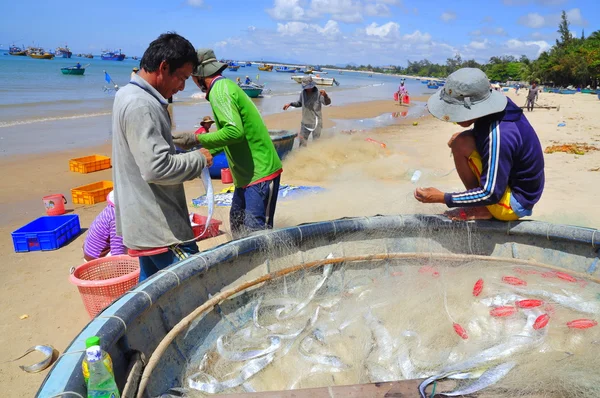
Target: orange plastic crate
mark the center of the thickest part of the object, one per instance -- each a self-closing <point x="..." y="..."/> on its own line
<point x="89" y="164"/>
<point x="92" y="193"/>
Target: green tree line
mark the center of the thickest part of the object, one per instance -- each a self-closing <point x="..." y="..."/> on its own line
<point x="571" y="61"/>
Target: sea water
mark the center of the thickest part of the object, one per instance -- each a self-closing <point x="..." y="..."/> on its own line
<point x="43" y="110"/>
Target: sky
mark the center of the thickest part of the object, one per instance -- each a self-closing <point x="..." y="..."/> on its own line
<point x="376" y="32"/>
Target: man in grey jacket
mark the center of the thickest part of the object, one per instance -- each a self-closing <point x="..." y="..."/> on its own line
<point x="311" y="100"/>
<point x="150" y="205"/>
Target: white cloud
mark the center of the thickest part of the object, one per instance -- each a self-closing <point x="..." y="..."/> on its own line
<point x="448" y="16"/>
<point x="221" y="44"/>
<point x="195" y="3"/>
<point x="294" y="28"/>
<point x="540" y="2"/>
<point x="479" y="45"/>
<point x="536" y="21"/>
<point x="288" y="10"/>
<point x="349" y="11"/>
<point x="388" y="30"/>
<point x="527" y="46"/>
<point x="489" y="31"/>
<point x="416" y="37"/>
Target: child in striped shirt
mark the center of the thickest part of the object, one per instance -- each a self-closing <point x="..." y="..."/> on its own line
<point x="102" y="238"/>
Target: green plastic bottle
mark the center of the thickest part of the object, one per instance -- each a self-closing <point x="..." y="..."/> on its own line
<point x="91" y="342"/>
<point x="101" y="383"/>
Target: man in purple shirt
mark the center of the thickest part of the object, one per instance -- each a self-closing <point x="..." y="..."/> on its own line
<point x="102" y="238"/>
<point x="500" y="160"/>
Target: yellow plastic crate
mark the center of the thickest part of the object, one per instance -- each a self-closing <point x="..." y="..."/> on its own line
<point x="89" y="164"/>
<point x="92" y="193"/>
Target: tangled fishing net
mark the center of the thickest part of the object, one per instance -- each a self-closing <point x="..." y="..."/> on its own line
<point x="497" y="328"/>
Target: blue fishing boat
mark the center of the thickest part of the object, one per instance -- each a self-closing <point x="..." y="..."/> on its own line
<point x="248" y="63"/>
<point x="14" y="50"/>
<point x="112" y="56"/>
<point x="233" y="68"/>
<point x="285" y="69"/>
<point x="423" y="81"/>
<point x="566" y="91"/>
<point x="63" y="52"/>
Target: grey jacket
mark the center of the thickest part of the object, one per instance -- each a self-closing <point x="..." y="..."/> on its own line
<point x="150" y="204"/>
<point x="311" y="103"/>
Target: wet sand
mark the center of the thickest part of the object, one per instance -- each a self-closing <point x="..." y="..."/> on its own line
<point x="361" y="179"/>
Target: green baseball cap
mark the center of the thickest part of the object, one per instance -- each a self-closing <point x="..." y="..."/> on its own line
<point x="207" y="63"/>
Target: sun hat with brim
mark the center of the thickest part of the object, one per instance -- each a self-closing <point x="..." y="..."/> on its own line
<point x="207" y="63"/>
<point x="135" y="69"/>
<point x="467" y="95"/>
<point x="307" y="82"/>
<point x="207" y="119"/>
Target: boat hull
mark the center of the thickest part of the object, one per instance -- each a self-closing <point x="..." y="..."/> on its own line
<point x="266" y="68"/>
<point x="74" y="71"/>
<point x="19" y="53"/>
<point x="253" y="92"/>
<point x="42" y="56"/>
<point x="282" y="139"/>
<point x="140" y="319"/>
<point x="319" y="81"/>
<point x="116" y="57"/>
<point x="233" y="68"/>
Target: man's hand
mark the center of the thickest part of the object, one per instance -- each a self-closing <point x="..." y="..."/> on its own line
<point x="207" y="155"/>
<point x="185" y="141"/>
<point x="286" y="106"/>
<point x="323" y="93"/>
<point x="429" y="195"/>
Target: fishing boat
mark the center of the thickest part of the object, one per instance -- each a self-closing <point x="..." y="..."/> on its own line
<point x="233" y="68"/>
<point x="170" y="320"/>
<point x="588" y="91"/>
<point x="248" y="63"/>
<point x="253" y="91"/>
<point x="18" y="51"/>
<point x="112" y="55"/>
<point x="432" y="84"/>
<point x="63" y="52"/>
<point x="73" y="70"/>
<point x="88" y="56"/>
<point x="319" y="81"/>
<point x="39" y="53"/>
<point x="286" y="69"/>
<point x="423" y="81"/>
<point x="266" y="68"/>
<point x="566" y="91"/>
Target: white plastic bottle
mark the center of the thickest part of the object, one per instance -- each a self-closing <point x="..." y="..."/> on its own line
<point x="416" y="176"/>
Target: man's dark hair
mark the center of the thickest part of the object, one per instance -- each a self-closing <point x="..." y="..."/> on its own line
<point x="172" y="48"/>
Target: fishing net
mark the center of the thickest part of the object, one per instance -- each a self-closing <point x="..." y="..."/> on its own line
<point x="508" y="328"/>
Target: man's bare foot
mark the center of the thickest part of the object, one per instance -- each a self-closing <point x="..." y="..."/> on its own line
<point x="468" y="213"/>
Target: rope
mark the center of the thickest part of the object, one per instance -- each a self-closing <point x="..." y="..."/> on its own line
<point x="141" y="291"/>
<point x="184" y="323"/>
<point x="168" y="271"/>
<point x="115" y="317"/>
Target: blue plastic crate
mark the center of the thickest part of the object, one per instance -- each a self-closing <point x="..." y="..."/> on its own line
<point x="46" y="233"/>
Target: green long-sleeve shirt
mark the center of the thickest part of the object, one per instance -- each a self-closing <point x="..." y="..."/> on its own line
<point x="241" y="133"/>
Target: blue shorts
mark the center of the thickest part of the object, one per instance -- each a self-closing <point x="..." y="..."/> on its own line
<point x="150" y="265"/>
<point x="253" y="207"/>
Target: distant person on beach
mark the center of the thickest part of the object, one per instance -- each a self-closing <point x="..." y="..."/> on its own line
<point x="402" y="92"/>
<point x="311" y="101"/>
<point x="500" y="160"/>
<point x="134" y="72"/>
<point x="102" y="239"/>
<point x="517" y="87"/>
<point x="242" y="134"/>
<point x="532" y="96"/>
<point x="151" y="208"/>
<point x="205" y="125"/>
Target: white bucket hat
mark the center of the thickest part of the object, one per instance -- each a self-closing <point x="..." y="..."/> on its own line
<point x="467" y="95"/>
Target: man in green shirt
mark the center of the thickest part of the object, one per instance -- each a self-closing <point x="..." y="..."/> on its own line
<point x="242" y="134"/>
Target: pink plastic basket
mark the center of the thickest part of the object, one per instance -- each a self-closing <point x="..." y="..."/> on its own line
<point x="103" y="280"/>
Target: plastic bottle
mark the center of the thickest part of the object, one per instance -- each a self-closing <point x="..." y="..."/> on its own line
<point x="416" y="176"/>
<point x="101" y="383"/>
<point x="106" y="359"/>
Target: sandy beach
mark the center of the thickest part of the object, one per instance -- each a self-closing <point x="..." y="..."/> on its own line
<point x="361" y="179"/>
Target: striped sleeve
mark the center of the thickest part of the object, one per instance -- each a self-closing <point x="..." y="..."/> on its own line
<point x="496" y="157"/>
<point x="97" y="239"/>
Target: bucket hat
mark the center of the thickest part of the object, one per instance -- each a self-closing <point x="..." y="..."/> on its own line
<point x="307" y="82"/>
<point x="207" y="63"/>
<point x="207" y="119"/>
<point x="467" y="95"/>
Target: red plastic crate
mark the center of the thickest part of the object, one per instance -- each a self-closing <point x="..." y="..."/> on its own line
<point x="198" y="225"/>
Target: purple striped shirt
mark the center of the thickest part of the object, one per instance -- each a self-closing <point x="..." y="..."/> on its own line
<point x="102" y="235"/>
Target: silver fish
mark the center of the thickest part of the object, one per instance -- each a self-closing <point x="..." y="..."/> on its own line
<point x="331" y="361"/>
<point x="250" y="354"/>
<point x="488" y="378"/>
<point x="47" y="350"/>
<point x="500" y="299"/>
<point x="251" y="368"/>
<point x="383" y="339"/>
